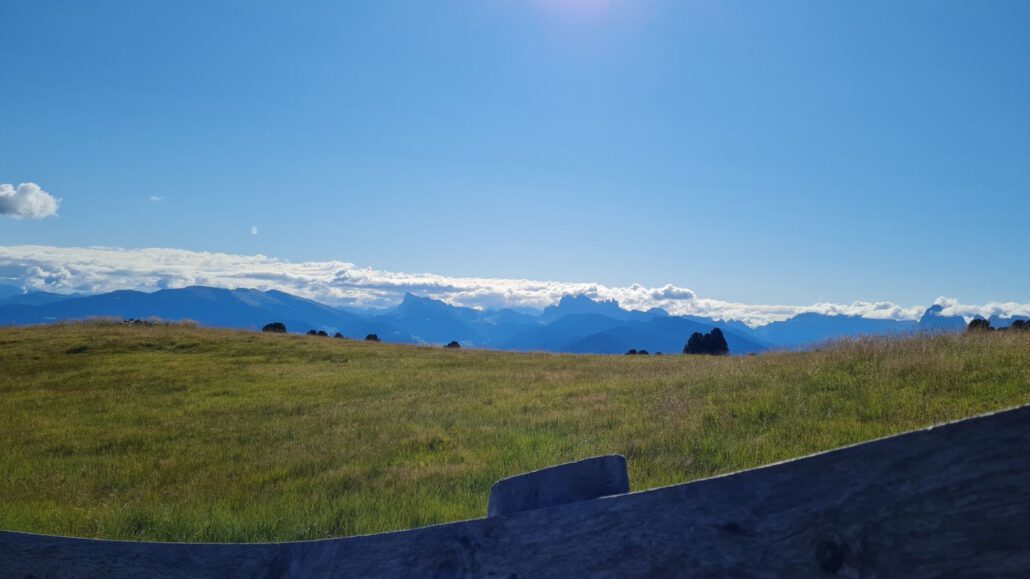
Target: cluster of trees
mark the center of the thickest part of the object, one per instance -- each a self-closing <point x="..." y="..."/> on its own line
<point x="712" y="343"/>
<point x="323" y="333"/>
<point x="280" y="328"/>
<point x="982" y="325"/>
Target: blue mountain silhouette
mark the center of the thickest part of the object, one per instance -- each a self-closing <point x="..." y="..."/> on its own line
<point x="1004" y="322"/>
<point x="576" y="324"/>
<point x="661" y="334"/>
<point x="554" y="336"/>
<point x="433" y="321"/>
<point x="581" y="304"/>
<point x="36" y="298"/>
<point x="239" y="308"/>
<point x="7" y="291"/>
<point x="933" y="320"/>
<point x="812" y="328"/>
<point x="809" y="329"/>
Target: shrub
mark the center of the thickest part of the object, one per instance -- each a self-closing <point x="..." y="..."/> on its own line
<point x="979" y="325"/>
<point x="275" y="328"/>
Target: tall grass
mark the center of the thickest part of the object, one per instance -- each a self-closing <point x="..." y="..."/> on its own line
<point x="184" y="434"/>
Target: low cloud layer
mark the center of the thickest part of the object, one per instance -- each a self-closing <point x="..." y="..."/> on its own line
<point x="100" y="269"/>
<point x="27" y="201"/>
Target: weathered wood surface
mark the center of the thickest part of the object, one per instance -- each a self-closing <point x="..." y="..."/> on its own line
<point x="582" y="480"/>
<point x="953" y="501"/>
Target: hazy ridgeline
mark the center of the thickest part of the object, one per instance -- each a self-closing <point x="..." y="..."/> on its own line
<point x="186" y="434"/>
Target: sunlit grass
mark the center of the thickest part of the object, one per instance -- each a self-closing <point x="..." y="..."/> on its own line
<point x="183" y="434"/>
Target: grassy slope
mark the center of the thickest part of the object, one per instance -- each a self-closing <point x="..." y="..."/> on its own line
<point x="167" y="433"/>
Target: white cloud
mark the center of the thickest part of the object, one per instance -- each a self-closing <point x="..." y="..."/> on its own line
<point x="156" y="198"/>
<point x="1004" y="309"/>
<point x="27" y="201"/>
<point x="253" y="230"/>
<point x="100" y="269"/>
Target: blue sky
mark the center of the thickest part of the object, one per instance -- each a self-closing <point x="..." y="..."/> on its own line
<point x="772" y="153"/>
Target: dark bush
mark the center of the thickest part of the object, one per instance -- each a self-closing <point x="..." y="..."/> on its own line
<point x="323" y="333"/>
<point x="275" y="328"/>
<point x="642" y="353"/>
<point x="372" y="338"/>
<point x="312" y="332"/>
<point x="339" y="335"/>
<point x="453" y="344"/>
<point x="1020" y="325"/>
<point x="979" y="325"/>
<point x="631" y="353"/>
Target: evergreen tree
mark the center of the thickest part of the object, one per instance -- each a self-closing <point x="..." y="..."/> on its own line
<point x="695" y="345"/>
<point x="712" y="343"/>
<point x="717" y="345"/>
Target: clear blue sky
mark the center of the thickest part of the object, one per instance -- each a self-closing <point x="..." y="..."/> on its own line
<point x="762" y="152"/>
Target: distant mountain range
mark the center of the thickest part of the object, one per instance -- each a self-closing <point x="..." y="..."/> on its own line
<point x="811" y="328"/>
<point x="577" y="324"/>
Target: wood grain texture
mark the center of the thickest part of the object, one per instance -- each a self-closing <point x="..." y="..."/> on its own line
<point x="586" y="479"/>
<point x="952" y="501"/>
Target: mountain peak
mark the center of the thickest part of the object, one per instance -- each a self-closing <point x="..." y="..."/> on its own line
<point x="934" y="319"/>
<point x="575" y="304"/>
<point x="411" y="299"/>
<point x="415" y="305"/>
<point x="572" y="300"/>
<point x="582" y="304"/>
<point x="571" y="304"/>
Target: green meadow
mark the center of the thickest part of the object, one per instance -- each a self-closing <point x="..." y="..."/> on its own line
<point x="174" y="433"/>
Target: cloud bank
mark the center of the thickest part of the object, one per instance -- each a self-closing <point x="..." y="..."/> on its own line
<point x="27" y="201"/>
<point x="102" y="269"/>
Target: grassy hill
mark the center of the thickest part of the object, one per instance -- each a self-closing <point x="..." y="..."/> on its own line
<point x="184" y="434"/>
